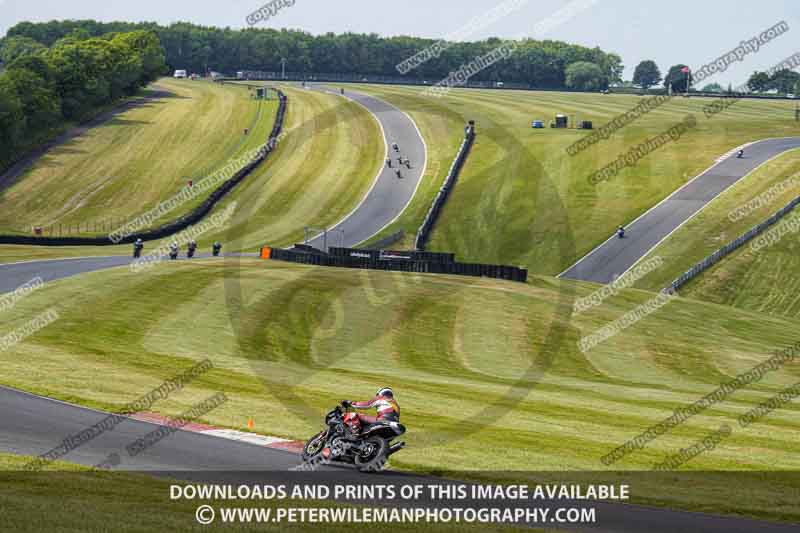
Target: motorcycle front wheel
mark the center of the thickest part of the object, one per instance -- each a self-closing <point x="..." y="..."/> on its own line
<point x="372" y="457"/>
<point x="314" y="446"/>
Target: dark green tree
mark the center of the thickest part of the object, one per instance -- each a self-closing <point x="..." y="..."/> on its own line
<point x="646" y="74"/>
<point x="713" y="88"/>
<point x="586" y="76"/>
<point x="12" y="122"/>
<point x="148" y="47"/>
<point x="677" y="79"/>
<point x="784" y="81"/>
<point x="39" y="102"/>
<point x="759" y="82"/>
<point x="14" y="47"/>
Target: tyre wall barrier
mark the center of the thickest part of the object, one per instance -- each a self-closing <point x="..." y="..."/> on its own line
<point x="731" y="247"/>
<point x="170" y="228"/>
<point x="424" y="232"/>
<point x="429" y="263"/>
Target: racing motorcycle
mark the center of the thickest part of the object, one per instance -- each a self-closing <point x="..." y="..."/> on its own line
<point x="346" y="441"/>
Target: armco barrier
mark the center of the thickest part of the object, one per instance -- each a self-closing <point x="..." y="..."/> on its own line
<point x="367" y="261"/>
<point x="193" y="217"/>
<point x="424" y="232"/>
<point x="732" y="246"/>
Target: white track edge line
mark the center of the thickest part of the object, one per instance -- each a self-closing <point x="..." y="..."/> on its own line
<point x="676" y="191"/>
<point x="731" y="186"/>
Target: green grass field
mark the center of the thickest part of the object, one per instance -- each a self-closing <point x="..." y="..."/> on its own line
<point x="522" y="200"/>
<point x="475" y="363"/>
<point x="766" y="281"/>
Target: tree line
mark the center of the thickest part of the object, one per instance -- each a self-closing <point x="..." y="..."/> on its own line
<point x="783" y="81"/>
<point x="45" y="85"/>
<point x="679" y="79"/>
<point x="201" y="49"/>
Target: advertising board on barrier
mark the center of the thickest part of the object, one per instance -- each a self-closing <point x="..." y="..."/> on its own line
<point x="413" y="261"/>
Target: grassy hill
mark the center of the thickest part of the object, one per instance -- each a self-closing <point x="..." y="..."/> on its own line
<point x="321" y="169"/>
<point x="488" y="373"/>
<point x="128" y="164"/>
<point x="523" y="200"/>
<point x="766" y="281"/>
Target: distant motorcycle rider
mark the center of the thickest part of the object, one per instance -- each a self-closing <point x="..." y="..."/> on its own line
<point x="137" y="248"/>
<point x="191" y="248"/>
<point x="173" y="250"/>
<point x="216" y="248"/>
<point x="384" y="402"/>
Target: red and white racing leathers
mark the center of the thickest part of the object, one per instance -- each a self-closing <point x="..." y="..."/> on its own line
<point x="388" y="410"/>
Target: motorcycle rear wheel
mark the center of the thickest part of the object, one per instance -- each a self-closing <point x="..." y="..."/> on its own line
<point x="375" y="458"/>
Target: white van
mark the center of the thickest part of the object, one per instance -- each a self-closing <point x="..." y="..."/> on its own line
<point x="180" y="74"/>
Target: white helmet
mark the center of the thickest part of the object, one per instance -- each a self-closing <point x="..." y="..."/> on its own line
<point x="385" y="391"/>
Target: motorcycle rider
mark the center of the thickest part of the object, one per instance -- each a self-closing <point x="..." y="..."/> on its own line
<point x="621" y="232"/>
<point x="215" y="249"/>
<point x="173" y="250"/>
<point x="191" y="248"/>
<point x="384" y="402"/>
<point x="137" y="248"/>
<point x="740" y="154"/>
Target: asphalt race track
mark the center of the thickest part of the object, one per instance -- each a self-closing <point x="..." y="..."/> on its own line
<point x="389" y="195"/>
<point x="34" y="425"/>
<point x="13" y="275"/>
<point x="616" y="256"/>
